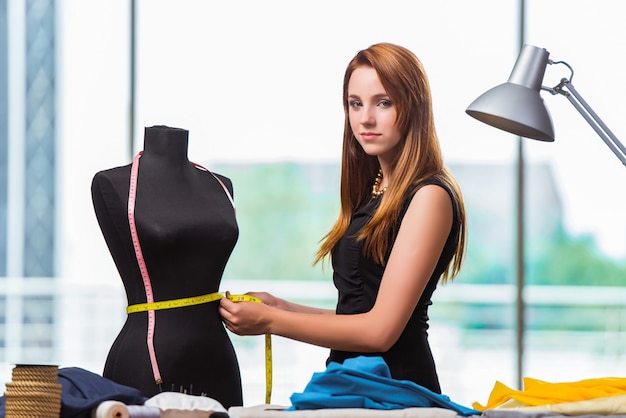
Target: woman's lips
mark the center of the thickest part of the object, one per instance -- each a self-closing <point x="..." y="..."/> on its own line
<point x="368" y="136"/>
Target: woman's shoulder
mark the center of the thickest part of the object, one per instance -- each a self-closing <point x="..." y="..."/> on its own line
<point x="430" y="184"/>
<point x="435" y="180"/>
<point x="438" y="179"/>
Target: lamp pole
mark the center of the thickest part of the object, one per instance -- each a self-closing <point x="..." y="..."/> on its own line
<point x="519" y="250"/>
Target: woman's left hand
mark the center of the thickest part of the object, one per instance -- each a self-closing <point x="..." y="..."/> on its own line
<point x="244" y="318"/>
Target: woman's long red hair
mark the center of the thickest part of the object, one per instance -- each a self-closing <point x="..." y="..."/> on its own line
<point x="419" y="158"/>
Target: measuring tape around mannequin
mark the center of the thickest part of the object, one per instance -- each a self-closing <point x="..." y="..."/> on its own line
<point x="151" y="306"/>
<point x="212" y="297"/>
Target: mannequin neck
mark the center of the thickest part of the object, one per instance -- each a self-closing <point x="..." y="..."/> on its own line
<point x="164" y="143"/>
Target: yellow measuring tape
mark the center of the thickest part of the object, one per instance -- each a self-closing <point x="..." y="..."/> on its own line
<point x="211" y="297"/>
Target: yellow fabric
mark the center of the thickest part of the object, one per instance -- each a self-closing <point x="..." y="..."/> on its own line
<point x="537" y="392"/>
<point x="609" y="405"/>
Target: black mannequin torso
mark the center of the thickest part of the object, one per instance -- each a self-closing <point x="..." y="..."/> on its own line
<point x="187" y="230"/>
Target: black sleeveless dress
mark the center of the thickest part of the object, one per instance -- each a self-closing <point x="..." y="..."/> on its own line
<point x="357" y="279"/>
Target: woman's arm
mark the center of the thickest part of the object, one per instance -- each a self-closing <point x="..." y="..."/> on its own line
<point x="418" y="246"/>
<point x="285" y="305"/>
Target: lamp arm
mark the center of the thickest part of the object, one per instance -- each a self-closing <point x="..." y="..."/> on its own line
<point x="591" y="117"/>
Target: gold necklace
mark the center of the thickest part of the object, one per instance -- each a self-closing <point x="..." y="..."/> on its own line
<point x="375" y="187"/>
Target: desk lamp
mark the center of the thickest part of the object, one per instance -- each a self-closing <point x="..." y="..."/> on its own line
<point x="517" y="107"/>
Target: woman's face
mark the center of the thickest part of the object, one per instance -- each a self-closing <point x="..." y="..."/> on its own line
<point x="372" y="115"/>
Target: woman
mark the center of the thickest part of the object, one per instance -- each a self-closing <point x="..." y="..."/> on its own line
<point x="401" y="227"/>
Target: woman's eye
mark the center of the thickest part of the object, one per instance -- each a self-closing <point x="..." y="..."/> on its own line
<point x="355" y="103"/>
<point x="385" y="103"/>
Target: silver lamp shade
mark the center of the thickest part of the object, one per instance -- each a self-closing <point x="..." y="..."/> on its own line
<point x="516" y="106"/>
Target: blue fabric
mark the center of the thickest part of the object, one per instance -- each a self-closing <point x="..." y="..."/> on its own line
<point x="365" y="382"/>
<point x="83" y="390"/>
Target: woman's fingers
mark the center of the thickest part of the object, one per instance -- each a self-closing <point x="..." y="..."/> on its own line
<point x="239" y="316"/>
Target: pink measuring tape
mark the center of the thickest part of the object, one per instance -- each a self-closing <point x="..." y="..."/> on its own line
<point x="132" y="193"/>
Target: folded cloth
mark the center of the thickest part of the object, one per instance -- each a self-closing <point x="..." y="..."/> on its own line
<point x="608" y="405"/>
<point x="83" y="391"/>
<point x="365" y="382"/>
<point x="273" y="411"/>
<point x="537" y="392"/>
<point x="184" y="401"/>
<point x="508" y="413"/>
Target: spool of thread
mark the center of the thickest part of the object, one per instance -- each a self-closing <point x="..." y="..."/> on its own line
<point x="142" y="411"/>
<point x="34" y="391"/>
<point x="116" y="409"/>
<point x="110" y="409"/>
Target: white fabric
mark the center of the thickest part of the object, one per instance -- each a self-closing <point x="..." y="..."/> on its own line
<point x="183" y="401"/>
<point x="609" y="405"/>
<point x="276" y="411"/>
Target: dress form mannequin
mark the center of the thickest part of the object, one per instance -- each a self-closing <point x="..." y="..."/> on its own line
<point x="187" y="230"/>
